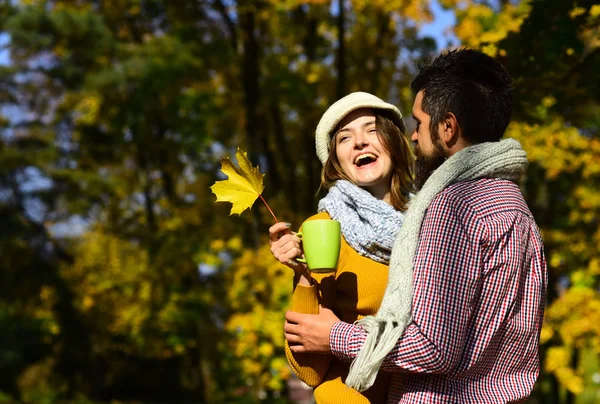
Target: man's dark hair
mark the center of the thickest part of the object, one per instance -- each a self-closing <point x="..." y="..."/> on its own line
<point x="471" y="85"/>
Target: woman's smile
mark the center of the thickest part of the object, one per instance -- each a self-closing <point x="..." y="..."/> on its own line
<point x="363" y="158"/>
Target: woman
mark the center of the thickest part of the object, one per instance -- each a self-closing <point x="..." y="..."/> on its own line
<point x="367" y="168"/>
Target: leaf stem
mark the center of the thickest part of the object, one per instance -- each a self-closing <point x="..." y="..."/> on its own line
<point x="268" y="207"/>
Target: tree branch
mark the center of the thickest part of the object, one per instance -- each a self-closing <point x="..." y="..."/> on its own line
<point x="19" y="205"/>
<point x="341" y="54"/>
<point x="228" y="22"/>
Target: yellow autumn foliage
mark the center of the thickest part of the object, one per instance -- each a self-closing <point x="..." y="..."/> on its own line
<point x="259" y="289"/>
<point x="557" y="361"/>
<point x="112" y="276"/>
<point x="415" y="10"/>
<point x="481" y="27"/>
<point x="557" y="147"/>
<point x="120" y="292"/>
<point x="571" y="315"/>
<point x="87" y="110"/>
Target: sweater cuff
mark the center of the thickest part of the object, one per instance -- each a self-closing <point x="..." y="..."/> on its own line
<point x="339" y="341"/>
<point x="305" y="299"/>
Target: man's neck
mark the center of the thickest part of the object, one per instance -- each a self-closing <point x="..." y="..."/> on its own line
<point x="457" y="146"/>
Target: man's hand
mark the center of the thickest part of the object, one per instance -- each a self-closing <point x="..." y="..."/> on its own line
<point x="309" y="332"/>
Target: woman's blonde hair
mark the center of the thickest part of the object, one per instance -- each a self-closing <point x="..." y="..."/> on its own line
<point x="396" y="143"/>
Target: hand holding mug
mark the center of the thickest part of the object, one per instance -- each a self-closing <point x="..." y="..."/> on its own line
<point x="286" y="246"/>
<point x="321" y="241"/>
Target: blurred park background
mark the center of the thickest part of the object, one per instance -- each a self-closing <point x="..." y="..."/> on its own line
<point x="122" y="281"/>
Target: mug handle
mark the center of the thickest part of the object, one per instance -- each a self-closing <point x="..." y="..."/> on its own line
<point x="302" y="260"/>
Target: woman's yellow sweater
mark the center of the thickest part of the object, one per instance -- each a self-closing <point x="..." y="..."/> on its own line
<point x="355" y="291"/>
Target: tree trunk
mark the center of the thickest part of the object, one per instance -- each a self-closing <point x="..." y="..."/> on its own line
<point x="570" y="399"/>
<point x="341" y="54"/>
<point x="229" y="23"/>
<point x="250" y="79"/>
<point x="147" y="190"/>
<point x="310" y="120"/>
<point x="382" y="32"/>
<point x="285" y="168"/>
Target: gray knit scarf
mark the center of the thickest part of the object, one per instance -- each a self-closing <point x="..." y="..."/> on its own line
<point x="504" y="159"/>
<point x="369" y="225"/>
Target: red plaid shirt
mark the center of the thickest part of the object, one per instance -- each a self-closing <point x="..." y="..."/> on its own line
<point x="479" y="295"/>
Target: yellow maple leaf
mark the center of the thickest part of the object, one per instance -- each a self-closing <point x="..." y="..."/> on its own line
<point x="244" y="186"/>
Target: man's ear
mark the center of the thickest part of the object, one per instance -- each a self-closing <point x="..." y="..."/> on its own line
<point x="450" y="130"/>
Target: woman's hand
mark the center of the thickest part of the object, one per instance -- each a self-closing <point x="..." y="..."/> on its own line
<point x="286" y="247"/>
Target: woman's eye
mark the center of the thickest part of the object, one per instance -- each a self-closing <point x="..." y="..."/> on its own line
<point x="342" y="138"/>
<point x="417" y="127"/>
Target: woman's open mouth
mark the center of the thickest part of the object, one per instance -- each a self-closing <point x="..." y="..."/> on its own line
<point x="365" y="160"/>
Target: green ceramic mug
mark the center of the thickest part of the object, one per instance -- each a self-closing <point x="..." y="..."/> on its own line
<point x="321" y="242"/>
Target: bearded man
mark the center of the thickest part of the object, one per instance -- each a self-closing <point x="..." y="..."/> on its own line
<point x="462" y="313"/>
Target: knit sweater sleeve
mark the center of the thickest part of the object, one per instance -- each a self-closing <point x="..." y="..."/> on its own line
<point x="311" y="368"/>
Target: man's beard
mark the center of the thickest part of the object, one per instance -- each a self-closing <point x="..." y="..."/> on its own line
<point x="426" y="165"/>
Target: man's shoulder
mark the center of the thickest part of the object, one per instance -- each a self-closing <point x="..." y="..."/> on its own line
<point x="485" y="196"/>
<point x="479" y="205"/>
<point x="477" y="188"/>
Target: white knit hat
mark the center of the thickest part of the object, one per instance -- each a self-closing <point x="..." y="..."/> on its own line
<point x="342" y="107"/>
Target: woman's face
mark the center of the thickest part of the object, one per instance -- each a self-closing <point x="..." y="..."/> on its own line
<point x="361" y="155"/>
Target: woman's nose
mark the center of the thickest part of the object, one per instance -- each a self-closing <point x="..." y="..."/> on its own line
<point x="360" y="140"/>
